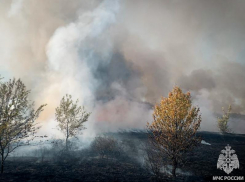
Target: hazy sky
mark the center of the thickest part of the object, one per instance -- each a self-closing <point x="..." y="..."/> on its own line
<point x="120" y="56"/>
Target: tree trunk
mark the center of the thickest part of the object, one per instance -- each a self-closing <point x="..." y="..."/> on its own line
<point x="174" y="168"/>
<point x="2" y="164"/>
<point x="67" y="144"/>
<point x="2" y="168"/>
<point x="67" y="135"/>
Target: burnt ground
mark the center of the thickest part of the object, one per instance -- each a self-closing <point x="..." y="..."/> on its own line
<point x="200" y="165"/>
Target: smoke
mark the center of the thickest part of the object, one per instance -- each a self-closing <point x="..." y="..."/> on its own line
<point x="119" y="57"/>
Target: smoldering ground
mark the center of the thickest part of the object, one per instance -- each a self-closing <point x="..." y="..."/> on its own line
<point x="119" y="156"/>
<point x="119" y="57"/>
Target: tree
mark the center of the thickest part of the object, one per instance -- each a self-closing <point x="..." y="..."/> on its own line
<point x="17" y="117"/>
<point x="70" y="117"/>
<point x="223" y="121"/>
<point x="174" y="126"/>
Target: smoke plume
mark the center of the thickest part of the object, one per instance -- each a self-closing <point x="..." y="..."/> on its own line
<point x="118" y="57"/>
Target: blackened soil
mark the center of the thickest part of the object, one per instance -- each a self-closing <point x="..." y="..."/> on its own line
<point x="200" y="165"/>
<point x="89" y="170"/>
<point x="203" y="160"/>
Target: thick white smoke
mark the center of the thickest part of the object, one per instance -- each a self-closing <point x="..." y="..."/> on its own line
<point x="70" y="56"/>
<point x="119" y="57"/>
<point x="74" y="52"/>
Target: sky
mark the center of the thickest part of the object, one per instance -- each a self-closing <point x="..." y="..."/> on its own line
<point x="118" y="57"/>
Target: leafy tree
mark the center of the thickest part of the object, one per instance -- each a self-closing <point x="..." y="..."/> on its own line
<point x="174" y="126"/>
<point x="70" y="117"/>
<point x="17" y="118"/>
<point x="224" y="120"/>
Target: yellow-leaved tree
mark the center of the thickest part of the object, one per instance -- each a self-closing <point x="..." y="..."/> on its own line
<point x="174" y="127"/>
<point x="224" y="120"/>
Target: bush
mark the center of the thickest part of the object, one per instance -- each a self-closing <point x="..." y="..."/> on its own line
<point x="105" y="146"/>
<point x="61" y="154"/>
<point x="129" y="147"/>
<point x="42" y="152"/>
<point x="154" y="161"/>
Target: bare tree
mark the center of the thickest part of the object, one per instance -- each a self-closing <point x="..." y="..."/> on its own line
<point x="173" y="130"/>
<point x="71" y="117"/>
<point x="154" y="160"/>
<point x="17" y="118"/>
